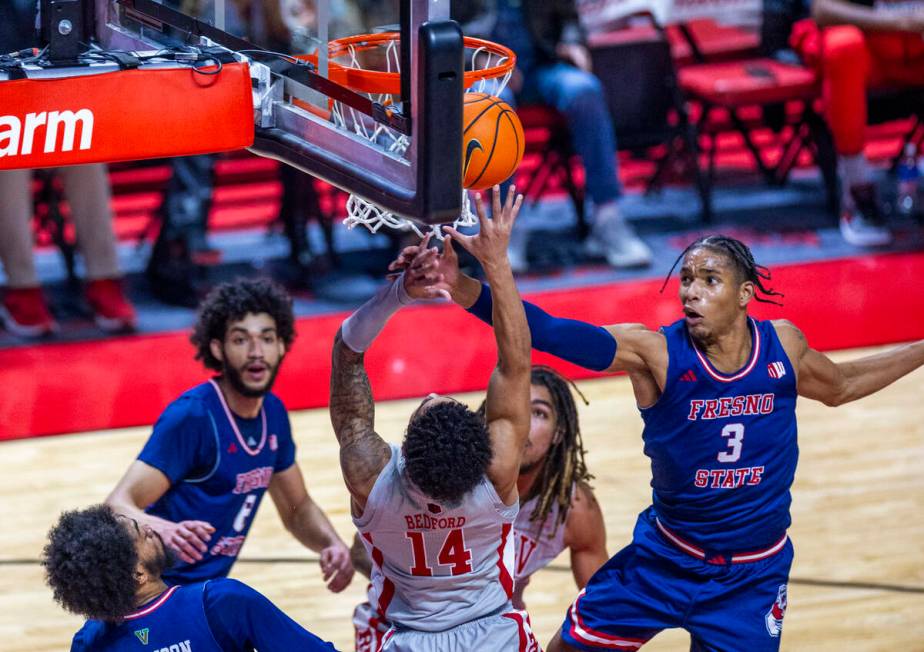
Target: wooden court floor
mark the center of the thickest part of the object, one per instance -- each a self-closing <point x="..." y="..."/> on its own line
<point x="858" y="509"/>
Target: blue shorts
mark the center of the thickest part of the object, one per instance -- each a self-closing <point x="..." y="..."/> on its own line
<point x="652" y="585"/>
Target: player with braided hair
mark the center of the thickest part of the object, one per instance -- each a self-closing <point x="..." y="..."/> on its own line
<point x="558" y="510"/>
<point x="717" y="393"/>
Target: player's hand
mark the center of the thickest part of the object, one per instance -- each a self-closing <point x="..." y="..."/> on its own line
<point x="489" y="245"/>
<point x="423" y="277"/>
<point x="188" y="538"/>
<point x="336" y="567"/>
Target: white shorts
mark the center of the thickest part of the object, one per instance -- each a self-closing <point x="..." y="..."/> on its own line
<point x="506" y="632"/>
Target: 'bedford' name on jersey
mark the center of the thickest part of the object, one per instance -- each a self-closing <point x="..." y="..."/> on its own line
<point x="424" y="521"/>
<point x="728" y="478"/>
<point x="730" y="406"/>
<point x="256" y="479"/>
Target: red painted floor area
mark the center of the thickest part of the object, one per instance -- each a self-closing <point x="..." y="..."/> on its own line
<point x="62" y="388"/>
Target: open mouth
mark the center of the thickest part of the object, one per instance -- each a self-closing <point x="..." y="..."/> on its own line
<point x="256" y="372"/>
<point x="692" y="316"/>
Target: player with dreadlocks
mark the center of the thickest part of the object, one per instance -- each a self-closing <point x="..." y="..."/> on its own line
<point x="558" y="509"/>
<point x="717" y="393"/>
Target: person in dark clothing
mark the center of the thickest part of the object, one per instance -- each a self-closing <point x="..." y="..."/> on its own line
<point x="554" y="68"/>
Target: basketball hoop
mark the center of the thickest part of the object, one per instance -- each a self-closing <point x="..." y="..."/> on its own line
<point x="371" y="64"/>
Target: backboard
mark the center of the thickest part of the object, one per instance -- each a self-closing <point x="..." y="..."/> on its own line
<point x="297" y="103"/>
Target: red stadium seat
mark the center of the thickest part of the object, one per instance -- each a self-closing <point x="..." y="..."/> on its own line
<point x="735" y="88"/>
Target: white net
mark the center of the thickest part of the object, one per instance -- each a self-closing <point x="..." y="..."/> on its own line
<point x="387" y="58"/>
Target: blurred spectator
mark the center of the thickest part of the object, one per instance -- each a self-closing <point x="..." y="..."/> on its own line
<point x="23" y="309"/>
<point x="863" y="44"/>
<point x="554" y="67"/>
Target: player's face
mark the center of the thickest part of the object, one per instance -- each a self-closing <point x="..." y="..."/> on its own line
<point x="543" y="428"/>
<point x="710" y="292"/>
<point x="153" y="555"/>
<point x="251" y="354"/>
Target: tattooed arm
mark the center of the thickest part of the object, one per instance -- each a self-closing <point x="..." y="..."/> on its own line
<point x="363" y="454"/>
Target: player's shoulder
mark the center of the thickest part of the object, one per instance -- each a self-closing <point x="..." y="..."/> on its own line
<point x="221" y="587"/>
<point x="274" y="404"/>
<point x="583" y="500"/>
<point x="90" y="636"/>
<point x="585" y="518"/>
<point x="190" y="406"/>
<point x="790" y="336"/>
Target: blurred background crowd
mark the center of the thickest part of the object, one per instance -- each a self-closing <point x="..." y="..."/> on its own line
<point x="643" y="118"/>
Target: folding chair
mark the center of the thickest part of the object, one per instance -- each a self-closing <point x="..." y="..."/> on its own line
<point x="737" y="86"/>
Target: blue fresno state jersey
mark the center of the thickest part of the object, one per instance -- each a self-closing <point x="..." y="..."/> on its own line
<point x="219" y="466"/>
<point x="723" y="446"/>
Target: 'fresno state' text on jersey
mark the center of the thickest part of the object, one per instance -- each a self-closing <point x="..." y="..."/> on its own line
<point x="219" y="466"/>
<point x="436" y="566"/>
<point x="723" y="446"/>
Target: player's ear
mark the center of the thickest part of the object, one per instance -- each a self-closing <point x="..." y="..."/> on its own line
<point x="745" y="293"/>
<point x="217" y="351"/>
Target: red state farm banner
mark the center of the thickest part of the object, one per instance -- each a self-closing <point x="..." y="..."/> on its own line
<point x="125" y="115"/>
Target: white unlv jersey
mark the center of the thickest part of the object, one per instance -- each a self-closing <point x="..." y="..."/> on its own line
<point x="537" y="543"/>
<point x="436" y="566"/>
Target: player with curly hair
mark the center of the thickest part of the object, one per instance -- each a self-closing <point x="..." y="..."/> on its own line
<point x="107" y="568"/>
<point x="215" y="450"/>
<point x="436" y="513"/>
<point x="558" y="510"/>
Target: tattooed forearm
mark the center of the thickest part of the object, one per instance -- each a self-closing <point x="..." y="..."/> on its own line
<point x="363" y="453"/>
<point x="352" y="409"/>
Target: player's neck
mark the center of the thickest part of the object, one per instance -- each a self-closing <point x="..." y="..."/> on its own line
<point x="149" y="592"/>
<point x="526" y="481"/>
<point x="729" y="351"/>
<point x="247" y="407"/>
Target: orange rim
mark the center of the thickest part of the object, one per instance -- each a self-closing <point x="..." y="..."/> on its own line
<point x="389" y="82"/>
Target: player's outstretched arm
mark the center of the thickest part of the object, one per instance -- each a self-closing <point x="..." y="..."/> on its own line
<point x="363" y="454"/>
<point x="585" y="535"/>
<point x="143" y="485"/>
<point x="507" y="406"/>
<point x="241" y="618"/>
<point x="836" y="383"/>
<point x="620" y="347"/>
<point x="310" y="525"/>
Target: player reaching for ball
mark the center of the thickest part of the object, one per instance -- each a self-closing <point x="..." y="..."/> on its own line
<point x="436" y="513"/>
<point x="717" y="393"/>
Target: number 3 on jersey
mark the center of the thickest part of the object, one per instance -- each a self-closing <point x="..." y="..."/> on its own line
<point x="453" y="553"/>
<point x="735" y="434"/>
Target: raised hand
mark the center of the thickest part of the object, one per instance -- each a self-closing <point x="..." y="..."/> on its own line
<point x="420" y="265"/>
<point x="188" y="538"/>
<point x="489" y="245"/>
